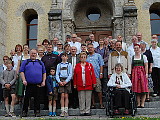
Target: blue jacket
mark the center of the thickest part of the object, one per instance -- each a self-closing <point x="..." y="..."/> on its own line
<point x="49" y="83"/>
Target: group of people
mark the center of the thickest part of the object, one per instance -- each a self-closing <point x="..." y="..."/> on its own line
<point x="75" y="71"/>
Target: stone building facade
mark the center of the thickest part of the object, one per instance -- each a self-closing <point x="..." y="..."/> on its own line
<point x="58" y="18"/>
<point x="3" y="27"/>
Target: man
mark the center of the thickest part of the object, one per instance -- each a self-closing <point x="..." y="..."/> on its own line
<point x="119" y="56"/>
<point x="97" y="61"/>
<point x="33" y="75"/>
<point x="75" y="43"/>
<point x="139" y="36"/>
<point x="73" y="58"/>
<point x="156" y="37"/>
<point x="130" y="49"/>
<point x="55" y="41"/>
<point x="68" y="39"/>
<point x="124" y="45"/>
<point x="49" y="60"/>
<point x="95" y="44"/>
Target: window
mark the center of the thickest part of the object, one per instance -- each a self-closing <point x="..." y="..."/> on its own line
<point x="31" y="18"/>
<point x="155" y="19"/>
<point x="93" y="14"/>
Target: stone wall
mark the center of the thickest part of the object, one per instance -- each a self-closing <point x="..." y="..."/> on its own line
<point x="3" y="27"/>
<point x="16" y="26"/>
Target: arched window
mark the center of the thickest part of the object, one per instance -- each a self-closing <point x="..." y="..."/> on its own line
<point x="155" y="19"/>
<point x="31" y="18"/>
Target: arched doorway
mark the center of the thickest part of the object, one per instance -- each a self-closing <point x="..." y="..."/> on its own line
<point x="93" y="16"/>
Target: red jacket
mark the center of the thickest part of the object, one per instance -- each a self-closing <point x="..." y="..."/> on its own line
<point x="89" y="77"/>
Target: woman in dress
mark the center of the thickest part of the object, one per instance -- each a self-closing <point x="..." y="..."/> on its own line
<point x="139" y="75"/>
<point x="84" y="81"/>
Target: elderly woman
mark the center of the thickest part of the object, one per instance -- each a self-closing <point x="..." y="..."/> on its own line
<point x="40" y="51"/>
<point x="155" y="50"/>
<point x="139" y="75"/>
<point x="120" y="81"/>
<point x="84" y="81"/>
<point x="150" y="64"/>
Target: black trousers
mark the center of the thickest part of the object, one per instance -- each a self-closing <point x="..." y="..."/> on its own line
<point x="121" y="98"/>
<point x="32" y="90"/>
<point x="156" y="79"/>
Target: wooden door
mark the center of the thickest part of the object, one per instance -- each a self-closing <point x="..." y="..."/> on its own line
<point x="98" y="34"/>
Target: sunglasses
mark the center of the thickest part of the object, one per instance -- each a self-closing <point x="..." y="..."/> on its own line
<point x="59" y="44"/>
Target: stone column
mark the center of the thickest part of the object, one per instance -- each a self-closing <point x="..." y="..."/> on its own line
<point x="130" y="21"/>
<point x="55" y="24"/>
<point x="55" y="20"/>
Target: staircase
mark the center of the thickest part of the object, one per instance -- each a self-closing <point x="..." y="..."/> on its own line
<point x="151" y="108"/>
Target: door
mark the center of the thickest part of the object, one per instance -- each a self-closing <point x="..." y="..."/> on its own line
<point x="98" y="35"/>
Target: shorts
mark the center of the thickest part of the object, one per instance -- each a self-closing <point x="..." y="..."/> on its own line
<point x="8" y="92"/>
<point x="54" y="96"/>
<point x="98" y="87"/>
<point x="66" y="88"/>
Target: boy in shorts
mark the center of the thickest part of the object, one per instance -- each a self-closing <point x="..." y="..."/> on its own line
<point x="52" y="86"/>
<point x="63" y="77"/>
<point x="8" y="80"/>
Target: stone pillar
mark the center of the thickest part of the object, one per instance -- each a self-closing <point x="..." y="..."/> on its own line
<point x="130" y="21"/>
<point x="55" y="24"/>
<point x="118" y="24"/>
<point x="55" y="20"/>
<point x="68" y="27"/>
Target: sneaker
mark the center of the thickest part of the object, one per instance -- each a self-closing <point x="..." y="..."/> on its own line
<point x="11" y="114"/>
<point x="154" y="95"/>
<point x="62" y="114"/>
<point x="54" y="114"/>
<point x="66" y="114"/>
<point x="6" y="115"/>
<point x="50" y="114"/>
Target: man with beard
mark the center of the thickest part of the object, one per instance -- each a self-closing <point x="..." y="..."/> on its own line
<point x="119" y="56"/>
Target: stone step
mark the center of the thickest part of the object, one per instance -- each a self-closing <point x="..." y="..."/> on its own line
<point x="155" y="104"/>
<point x="76" y="112"/>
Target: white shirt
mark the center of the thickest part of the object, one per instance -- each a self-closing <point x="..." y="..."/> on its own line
<point x="15" y="60"/>
<point x="144" y="58"/>
<point x="130" y="51"/>
<point x="95" y="44"/>
<point x="124" y="46"/>
<point x="77" y="45"/>
<point x="156" y="56"/>
<point x="73" y="61"/>
<point x="83" y="75"/>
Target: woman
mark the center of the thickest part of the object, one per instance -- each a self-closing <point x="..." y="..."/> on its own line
<point x="40" y="50"/>
<point x="59" y="48"/>
<point x="84" y="81"/>
<point x="155" y="50"/>
<point x="120" y="81"/>
<point x="18" y="55"/>
<point x="139" y="76"/>
<point x="100" y="49"/>
<point x="19" y="84"/>
<point x="150" y="64"/>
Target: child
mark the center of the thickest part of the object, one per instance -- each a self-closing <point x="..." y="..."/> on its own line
<point x="63" y="77"/>
<point x="52" y="92"/>
<point x="8" y="80"/>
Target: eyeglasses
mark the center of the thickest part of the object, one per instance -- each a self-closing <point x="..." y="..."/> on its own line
<point x="74" y="37"/>
<point x="59" y="44"/>
<point x="5" y="59"/>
